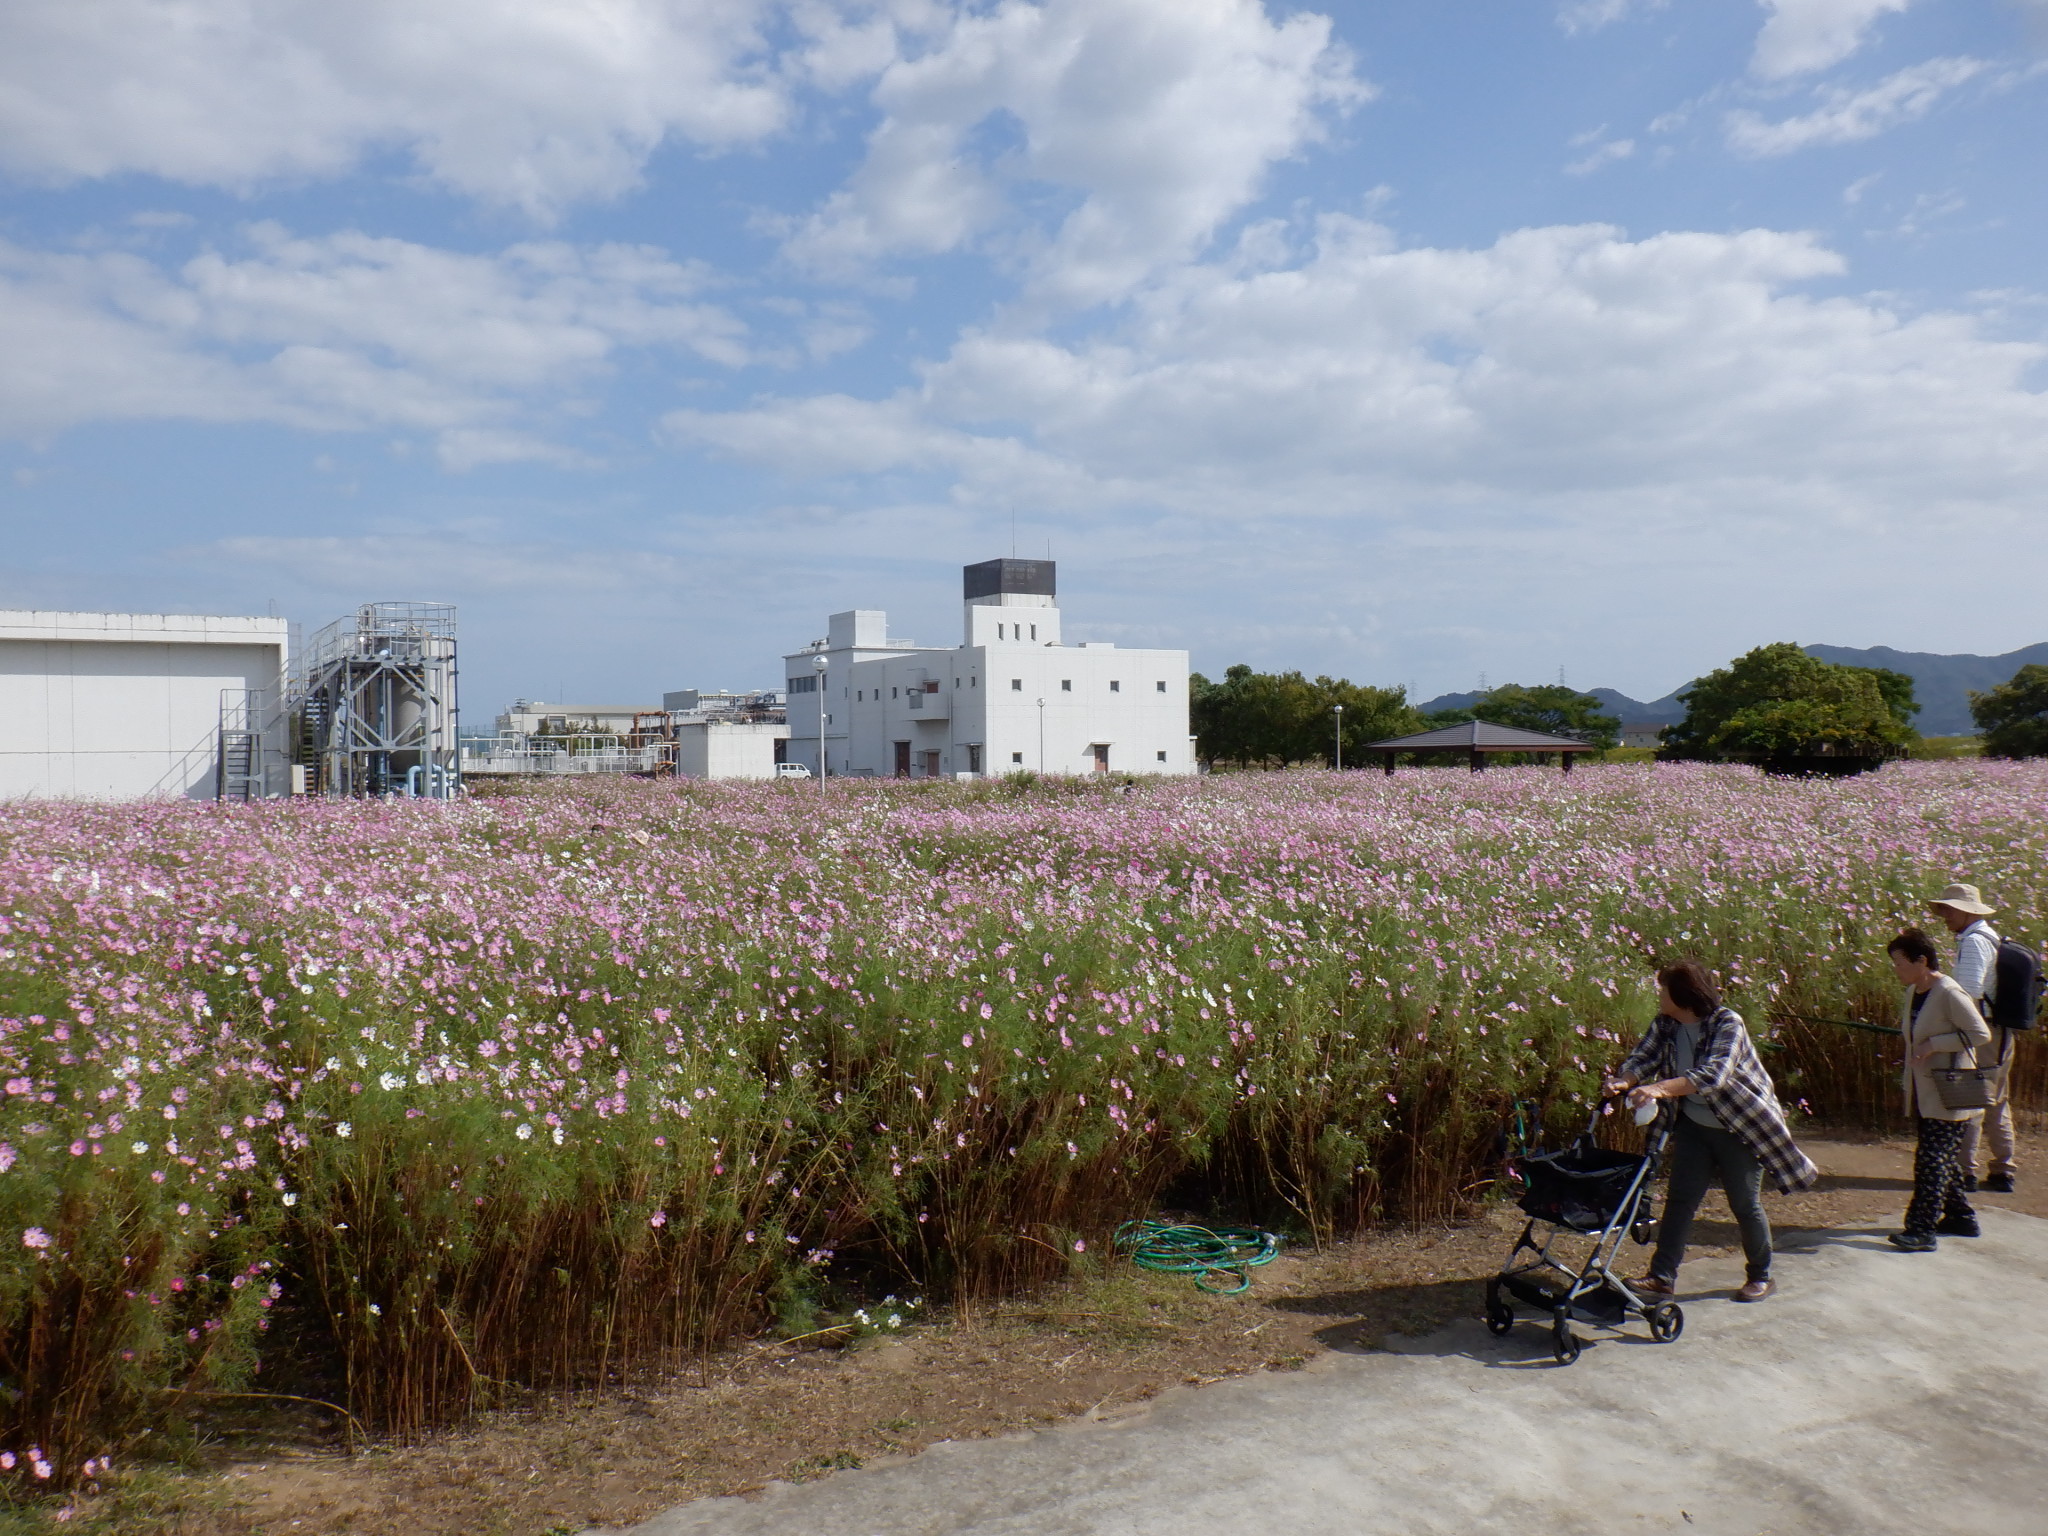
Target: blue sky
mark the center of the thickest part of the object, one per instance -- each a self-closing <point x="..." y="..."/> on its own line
<point x="1409" y="341"/>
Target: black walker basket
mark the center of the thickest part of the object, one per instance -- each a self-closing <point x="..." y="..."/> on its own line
<point x="1584" y="1190"/>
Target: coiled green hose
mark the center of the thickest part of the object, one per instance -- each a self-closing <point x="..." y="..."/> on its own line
<point x="1210" y="1254"/>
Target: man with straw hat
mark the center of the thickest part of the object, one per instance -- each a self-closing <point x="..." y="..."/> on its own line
<point x="1964" y="910"/>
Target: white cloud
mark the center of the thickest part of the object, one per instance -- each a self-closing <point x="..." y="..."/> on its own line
<point x="1561" y="362"/>
<point x="1662" y="448"/>
<point x="535" y="105"/>
<point x="1807" y="35"/>
<point x="469" y="560"/>
<point x="1846" y="116"/>
<point x="1160" y="116"/>
<point x="1577" y="16"/>
<point x="1602" y="153"/>
<point x="344" y="331"/>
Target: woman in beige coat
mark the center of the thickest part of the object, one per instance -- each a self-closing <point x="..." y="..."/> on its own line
<point x="1940" y="1024"/>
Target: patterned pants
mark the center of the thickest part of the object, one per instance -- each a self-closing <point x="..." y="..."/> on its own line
<point x="1937" y="1176"/>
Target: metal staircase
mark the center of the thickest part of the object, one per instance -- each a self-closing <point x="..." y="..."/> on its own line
<point x="239" y="760"/>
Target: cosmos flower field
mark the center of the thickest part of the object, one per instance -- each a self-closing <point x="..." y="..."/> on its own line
<point x="421" y="1100"/>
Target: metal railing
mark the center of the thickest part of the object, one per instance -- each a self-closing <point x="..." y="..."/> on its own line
<point x="514" y="754"/>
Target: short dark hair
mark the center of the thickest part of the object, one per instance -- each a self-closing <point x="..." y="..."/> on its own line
<point x="1691" y="987"/>
<point x="1915" y="945"/>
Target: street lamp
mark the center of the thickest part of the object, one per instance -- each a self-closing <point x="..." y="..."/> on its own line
<point x="819" y="664"/>
<point x="1041" y="735"/>
<point x="1339" y="708"/>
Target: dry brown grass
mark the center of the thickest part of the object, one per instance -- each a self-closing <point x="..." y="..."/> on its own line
<point x="1092" y="1345"/>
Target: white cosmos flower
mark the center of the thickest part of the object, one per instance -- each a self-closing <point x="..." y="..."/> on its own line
<point x="291" y="1199"/>
<point x="139" y="1148"/>
<point x="390" y="1081"/>
<point x="344" y="1129"/>
<point x="524" y="1133"/>
<point x="558" y="1135"/>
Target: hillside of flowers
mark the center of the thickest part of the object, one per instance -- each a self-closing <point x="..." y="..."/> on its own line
<point x="419" y="1100"/>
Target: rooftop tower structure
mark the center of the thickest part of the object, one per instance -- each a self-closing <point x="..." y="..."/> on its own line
<point x="376" y="701"/>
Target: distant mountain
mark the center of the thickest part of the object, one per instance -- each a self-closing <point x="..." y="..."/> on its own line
<point x="1942" y="684"/>
<point x="1664" y="711"/>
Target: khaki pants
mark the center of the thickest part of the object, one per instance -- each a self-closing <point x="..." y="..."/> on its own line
<point x="1994" y="1126"/>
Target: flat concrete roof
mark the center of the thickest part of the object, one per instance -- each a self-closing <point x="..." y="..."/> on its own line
<point x="149" y="628"/>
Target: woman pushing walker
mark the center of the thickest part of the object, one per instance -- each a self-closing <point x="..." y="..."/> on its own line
<point x="1698" y="1064"/>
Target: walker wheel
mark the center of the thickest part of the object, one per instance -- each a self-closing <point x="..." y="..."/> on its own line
<point x="1667" y="1322"/>
<point x="1564" y="1343"/>
<point x="1500" y="1317"/>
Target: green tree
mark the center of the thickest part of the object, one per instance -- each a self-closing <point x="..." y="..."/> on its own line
<point x="1370" y="714"/>
<point x="2014" y="715"/>
<point x="1777" y="701"/>
<point x="1897" y="689"/>
<point x="1271" y="719"/>
<point x="1553" y="709"/>
<point x="1244" y="719"/>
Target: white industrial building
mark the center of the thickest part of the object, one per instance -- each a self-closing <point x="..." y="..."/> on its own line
<point x="697" y="734"/>
<point x="533" y="717"/>
<point x="728" y="749"/>
<point x="1012" y="695"/>
<point x="125" y="705"/>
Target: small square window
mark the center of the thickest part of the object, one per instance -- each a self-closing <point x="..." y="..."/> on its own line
<point x="1066" y="685"/>
<point x="1016" y="685"/>
<point x="1160" y="686"/>
<point x="1115" y="686"/>
<point x="1162" y="757"/>
<point x="1016" y="757"/>
<point x="1034" y="631"/>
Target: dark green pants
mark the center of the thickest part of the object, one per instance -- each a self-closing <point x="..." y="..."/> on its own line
<point x="1699" y="1155"/>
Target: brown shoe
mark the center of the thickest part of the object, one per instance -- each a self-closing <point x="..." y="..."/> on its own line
<point x="1756" y="1290"/>
<point x="1652" y="1285"/>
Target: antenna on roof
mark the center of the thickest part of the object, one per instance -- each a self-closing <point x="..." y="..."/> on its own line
<point x="1560" y="676"/>
<point x="1482" y="684"/>
<point x="1013" y="533"/>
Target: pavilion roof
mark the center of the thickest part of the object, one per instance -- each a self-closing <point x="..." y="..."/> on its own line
<point x="1480" y="736"/>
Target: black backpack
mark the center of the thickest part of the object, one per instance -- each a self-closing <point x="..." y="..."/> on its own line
<point x="2016" y="996"/>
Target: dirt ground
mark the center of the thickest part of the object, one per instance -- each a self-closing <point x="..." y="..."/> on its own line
<point x="797" y="1411"/>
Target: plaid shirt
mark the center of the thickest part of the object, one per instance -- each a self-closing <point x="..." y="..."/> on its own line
<point x="1731" y="1081"/>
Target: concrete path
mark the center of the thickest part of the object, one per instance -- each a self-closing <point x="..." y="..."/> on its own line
<point x="1878" y="1392"/>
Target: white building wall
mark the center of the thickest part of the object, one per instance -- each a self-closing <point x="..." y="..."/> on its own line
<point x="725" y="749"/>
<point x="894" y="708"/>
<point x="853" y="638"/>
<point x="530" y="719"/>
<point x="119" y="705"/>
